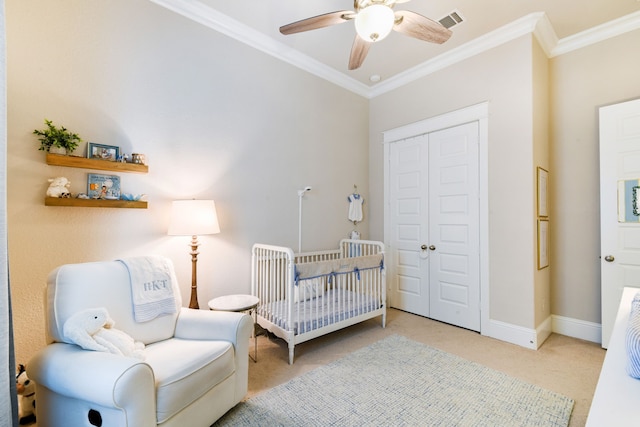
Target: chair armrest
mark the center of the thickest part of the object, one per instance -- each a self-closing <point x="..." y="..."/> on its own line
<point x="103" y="378"/>
<point x="214" y="325"/>
<point x="221" y="325"/>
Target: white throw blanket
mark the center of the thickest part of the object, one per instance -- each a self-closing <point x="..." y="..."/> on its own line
<point x="151" y="287"/>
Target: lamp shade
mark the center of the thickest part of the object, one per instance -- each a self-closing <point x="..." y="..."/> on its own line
<point x="193" y="218"/>
<point x="375" y="22"/>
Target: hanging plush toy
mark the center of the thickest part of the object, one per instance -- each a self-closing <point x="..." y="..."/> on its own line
<point x="26" y="397"/>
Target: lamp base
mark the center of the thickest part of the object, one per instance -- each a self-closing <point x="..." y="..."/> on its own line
<point x="193" y="302"/>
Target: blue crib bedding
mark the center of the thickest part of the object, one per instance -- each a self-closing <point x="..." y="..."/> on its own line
<point x="333" y="306"/>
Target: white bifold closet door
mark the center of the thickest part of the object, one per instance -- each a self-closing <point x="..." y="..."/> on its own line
<point x="434" y="210"/>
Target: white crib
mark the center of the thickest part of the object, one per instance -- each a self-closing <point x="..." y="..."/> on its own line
<point x="304" y="296"/>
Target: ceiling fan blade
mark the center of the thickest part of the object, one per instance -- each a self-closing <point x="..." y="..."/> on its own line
<point x="320" y="21"/>
<point x="359" y="51"/>
<point x="420" y="27"/>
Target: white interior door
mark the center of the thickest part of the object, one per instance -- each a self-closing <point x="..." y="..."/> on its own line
<point x="434" y="210"/>
<point x="409" y="180"/>
<point x="619" y="224"/>
<point x="454" y="235"/>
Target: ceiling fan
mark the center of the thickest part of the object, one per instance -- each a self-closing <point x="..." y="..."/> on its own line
<point x="374" y="20"/>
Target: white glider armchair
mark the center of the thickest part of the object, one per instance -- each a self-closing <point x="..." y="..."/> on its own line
<point x="195" y="365"/>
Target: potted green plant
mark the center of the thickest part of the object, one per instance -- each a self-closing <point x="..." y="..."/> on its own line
<point x="57" y="139"/>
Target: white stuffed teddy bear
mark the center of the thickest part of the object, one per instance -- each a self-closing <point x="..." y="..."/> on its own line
<point x="92" y="329"/>
<point x="26" y="397"/>
<point x="59" y="187"/>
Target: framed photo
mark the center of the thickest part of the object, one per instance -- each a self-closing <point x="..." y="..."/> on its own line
<point x="543" y="182"/>
<point x="109" y="153"/>
<point x="543" y="243"/>
<point x="103" y="186"/>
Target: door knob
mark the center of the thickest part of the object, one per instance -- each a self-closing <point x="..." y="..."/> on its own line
<point x="433" y="248"/>
<point x="609" y="258"/>
<point x="423" y="247"/>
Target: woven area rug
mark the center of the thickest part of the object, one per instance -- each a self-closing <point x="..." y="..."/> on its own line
<point x="400" y="382"/>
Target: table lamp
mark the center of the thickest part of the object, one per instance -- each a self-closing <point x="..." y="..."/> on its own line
<point x="193" y="218"/>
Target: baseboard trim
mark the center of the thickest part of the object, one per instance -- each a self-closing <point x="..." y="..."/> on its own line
<point x="524" y="337"/>
<point x="533" y="338"/>
<point x="576" y="328"/>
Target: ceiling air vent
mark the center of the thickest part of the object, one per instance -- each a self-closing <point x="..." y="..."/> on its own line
<point x="452" y="19"/>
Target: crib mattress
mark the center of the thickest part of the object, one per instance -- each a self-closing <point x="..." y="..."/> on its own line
<point x="333" y="306"/>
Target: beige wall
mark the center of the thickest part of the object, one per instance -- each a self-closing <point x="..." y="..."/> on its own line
<point x="503" y="77"/>
<point x="220" y="120"/>
<point x="581" y="82"/>
<point x="542" y="285"/>
<point x="215" y="118"/>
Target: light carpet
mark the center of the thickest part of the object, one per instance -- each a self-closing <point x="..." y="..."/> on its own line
<point x="398" y="381"/>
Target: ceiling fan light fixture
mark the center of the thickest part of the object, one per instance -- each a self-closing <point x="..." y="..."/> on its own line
<point x="374" y="22"/>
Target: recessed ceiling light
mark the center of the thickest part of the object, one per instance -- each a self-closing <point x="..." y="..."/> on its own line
<point x="376" y="77"/>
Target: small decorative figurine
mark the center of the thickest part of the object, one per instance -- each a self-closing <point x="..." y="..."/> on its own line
<point x="138" y="158"/>
<point x="26" y="397"/>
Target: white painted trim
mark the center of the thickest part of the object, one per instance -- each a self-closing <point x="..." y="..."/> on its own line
<point x="536" y="23"/>
<point x="476" y="46"/>
<point x="597" y="34"/>
<point x="533" y="339"/>
<point x="386" y="226"/>
<point x="524" y="337"/>
<point x="545" y="34"/>
<point x="479" y="113"/>
<point x="576" y="328"/>
<point x="455" y="118"/>
<point x="482" y="111"/>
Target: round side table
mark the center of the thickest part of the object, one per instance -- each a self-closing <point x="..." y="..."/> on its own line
<point x="239" y="303"/>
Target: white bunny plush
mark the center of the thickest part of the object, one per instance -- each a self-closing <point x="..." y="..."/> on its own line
<point x="92" y="329"/>
<point x="59" y="187"/>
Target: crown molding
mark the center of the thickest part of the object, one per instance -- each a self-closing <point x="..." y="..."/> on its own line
<point x="536" y="23"/>
<point x="228" y="26"/>
<point x="522" y="26"/>
<point x="545" y="34"/>
<point x="597" y="34"/>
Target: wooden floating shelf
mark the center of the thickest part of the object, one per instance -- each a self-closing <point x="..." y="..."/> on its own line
<point x="94" y="203"/>
<point x="82" y="162"/>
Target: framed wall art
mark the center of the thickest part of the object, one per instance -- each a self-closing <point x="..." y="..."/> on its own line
<point x="543" y="243"/>
<point x="629" y="200"/>
<point x="103" y="186"/>
<point x="543" y="182"/>
<point x="109" y="153"/>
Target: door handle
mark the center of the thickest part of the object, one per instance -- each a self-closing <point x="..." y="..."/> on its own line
<point x="609" y="258"/>
<point x="423" y="247"/>
<point x="433" y="248"/>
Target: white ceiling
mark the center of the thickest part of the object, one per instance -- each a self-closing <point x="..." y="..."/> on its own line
<point x="560" y="25"/>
